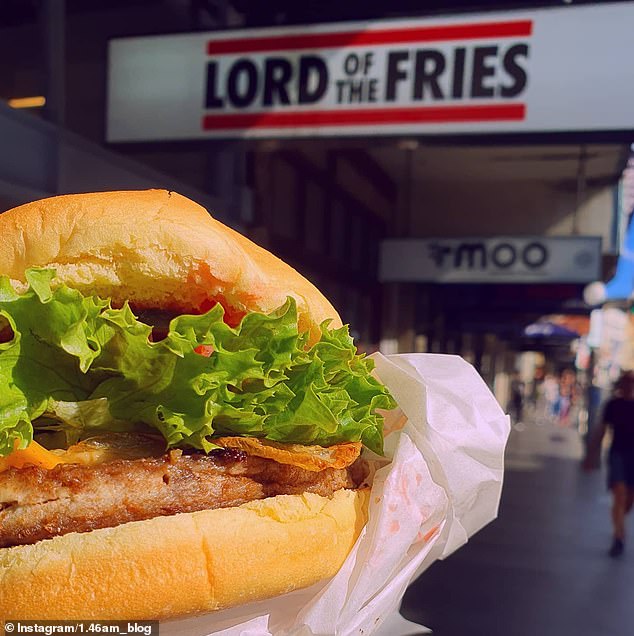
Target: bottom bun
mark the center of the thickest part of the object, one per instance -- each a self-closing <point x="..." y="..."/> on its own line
<point x="183" y="564"/>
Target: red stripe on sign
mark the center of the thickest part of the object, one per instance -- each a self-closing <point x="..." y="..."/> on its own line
<point x="368" y="116"/>
<point x="482" y="30"/>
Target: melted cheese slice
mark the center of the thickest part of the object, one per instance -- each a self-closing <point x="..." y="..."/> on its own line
<point x="100" y="449"/>
<point x="34" y="454"/>
<point x="95" y="450"/>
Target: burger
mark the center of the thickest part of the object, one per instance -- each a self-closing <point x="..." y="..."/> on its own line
<point x="183" y="417"/>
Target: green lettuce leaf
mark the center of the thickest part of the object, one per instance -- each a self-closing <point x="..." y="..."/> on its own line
<point x="71" y="355"/>
<point x="77" y="419"/>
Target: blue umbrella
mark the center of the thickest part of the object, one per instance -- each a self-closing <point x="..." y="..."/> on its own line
<point x="548" y="329"/>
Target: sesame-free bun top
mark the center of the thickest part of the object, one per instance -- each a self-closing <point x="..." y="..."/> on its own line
<point x="157" y="249"/>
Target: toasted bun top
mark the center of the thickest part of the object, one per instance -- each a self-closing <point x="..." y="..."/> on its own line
<point x="156" y="249"/>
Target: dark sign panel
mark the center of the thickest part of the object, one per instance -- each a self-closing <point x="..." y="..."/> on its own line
<point x="553" y="259"/>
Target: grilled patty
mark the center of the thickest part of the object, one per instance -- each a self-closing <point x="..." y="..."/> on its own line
<point x="36" y="503"/>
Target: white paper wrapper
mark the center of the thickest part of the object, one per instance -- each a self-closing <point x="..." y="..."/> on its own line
<point x="446" y="442"/>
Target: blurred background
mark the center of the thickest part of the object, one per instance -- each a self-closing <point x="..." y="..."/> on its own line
<point x="455" y="176"/>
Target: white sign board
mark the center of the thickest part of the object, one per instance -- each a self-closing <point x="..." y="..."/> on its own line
<point x="564" y="69"/>
<point x="492" y="260"/>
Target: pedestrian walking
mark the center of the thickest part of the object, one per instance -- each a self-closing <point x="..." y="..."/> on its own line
<point x="567" y="395"/>
<point x="618" y="416"/>
<point x="551" y="397"/>
<point x="517" y="399"/>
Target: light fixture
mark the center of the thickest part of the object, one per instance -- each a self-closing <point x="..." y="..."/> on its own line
<point x="407" y="144"/>
<point x="37" y="101"/>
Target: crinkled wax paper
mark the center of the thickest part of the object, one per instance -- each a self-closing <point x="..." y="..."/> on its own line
<point x="446" y="444"/>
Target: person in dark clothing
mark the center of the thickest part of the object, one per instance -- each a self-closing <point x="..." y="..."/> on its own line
<point x="618" y="416"/>
<point x="517" y="399"/>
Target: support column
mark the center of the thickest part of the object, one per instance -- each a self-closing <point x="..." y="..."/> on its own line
<point x="54" y="18"/>
<point x="398" y="331"/>
<point x="398" y="334"/>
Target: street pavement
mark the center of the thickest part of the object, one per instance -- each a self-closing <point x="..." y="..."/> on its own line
<point x="541" y="568"/>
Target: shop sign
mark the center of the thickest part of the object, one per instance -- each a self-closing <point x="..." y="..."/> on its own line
<point x="492" y="260"/>
<point x="539" y="70"/>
